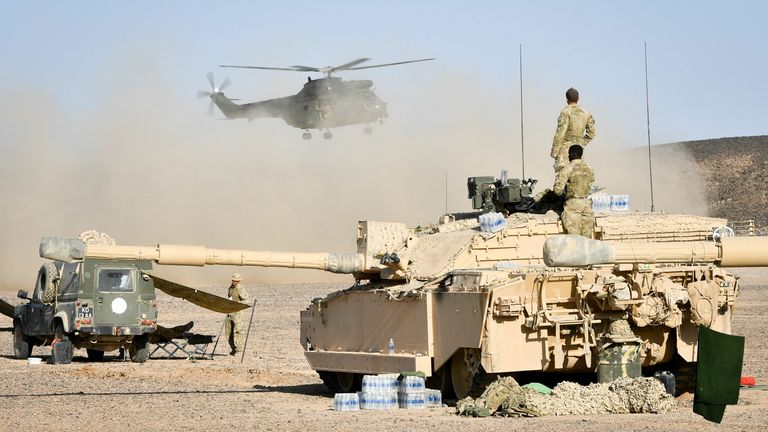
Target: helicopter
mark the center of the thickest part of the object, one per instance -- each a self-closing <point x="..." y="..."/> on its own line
<point x="322" y="103"/>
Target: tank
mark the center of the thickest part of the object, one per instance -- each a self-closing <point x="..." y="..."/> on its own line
<point x="462" y="305"/>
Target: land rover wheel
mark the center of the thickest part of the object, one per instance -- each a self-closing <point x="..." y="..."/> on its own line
<point x="48" y="278"/>
<point x="139" y="349"/>
<point x="22" y="349"/>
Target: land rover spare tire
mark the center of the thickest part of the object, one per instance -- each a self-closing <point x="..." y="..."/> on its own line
<point x="48" y="279"/>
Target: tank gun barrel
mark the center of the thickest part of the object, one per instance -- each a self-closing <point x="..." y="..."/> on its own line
<point x="578" y="251"/>
<point x="74" y="250"/>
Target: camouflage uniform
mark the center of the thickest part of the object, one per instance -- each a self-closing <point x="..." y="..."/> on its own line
<point x="574" y="126"/>
<point x="234" y="324"/>
<point x="575" y="179"/>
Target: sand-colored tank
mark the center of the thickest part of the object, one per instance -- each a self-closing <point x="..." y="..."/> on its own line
<point x="460" y="304"/>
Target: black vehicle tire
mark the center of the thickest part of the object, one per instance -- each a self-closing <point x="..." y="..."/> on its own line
<point x="22" y="348"/>
<point x="48" y="278"/>
<point x="58" y="331"/>
<point x="341" y="382"/>
<point x="95" y="355"/>
<point x="59" y="336"/>
<point x="139" y="349"/>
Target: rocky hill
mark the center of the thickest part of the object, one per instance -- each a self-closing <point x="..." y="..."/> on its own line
<point x="736" y="172"/>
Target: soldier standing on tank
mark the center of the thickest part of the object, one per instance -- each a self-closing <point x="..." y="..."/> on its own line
<point x="575" y="181"/>
<point x="234" y="323"/>
<point x="574" y="126"/>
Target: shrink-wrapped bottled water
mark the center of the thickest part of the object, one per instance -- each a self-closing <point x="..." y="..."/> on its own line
<point x="378" y="400"/>
<point x="492" y="222"/>
<point x="390" y="382"/>
<point x="412" y="384"/>
<point x="619" y="203"/>
<point x="413" y="400"/>
<point x="346" y="402"/>
<point x="433" y="398"/>
<point x="601" y="202"/>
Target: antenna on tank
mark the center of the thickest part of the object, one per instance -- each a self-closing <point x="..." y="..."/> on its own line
<point x="648" y="124"/>
<point x="446" y="191"/>
<point x="522" y="135"/>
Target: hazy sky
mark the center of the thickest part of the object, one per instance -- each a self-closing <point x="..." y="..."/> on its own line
<point x="100" y="127"/>
<point x="707" y="58"/>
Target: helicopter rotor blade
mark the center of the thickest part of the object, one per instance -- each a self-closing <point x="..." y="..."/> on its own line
<point x="258" y="67"/>
<point x="203" y="94"/>
<point x="210" y="108"/>
<point x="209" y="75"/>
<point x="224" y="85"/>
<point x="390" y="64"/>
<point x="300" y="68"/>
<point x="346" y="66"/>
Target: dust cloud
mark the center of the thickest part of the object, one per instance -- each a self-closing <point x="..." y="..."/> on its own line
<point x="147" y="166"/>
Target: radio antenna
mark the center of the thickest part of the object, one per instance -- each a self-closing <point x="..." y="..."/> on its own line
<point x="522" y="135"/>
<point x="446" y="191"/>
<point x="648" y="124"/>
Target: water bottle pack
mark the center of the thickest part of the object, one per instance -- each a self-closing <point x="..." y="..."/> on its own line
<point x="378" y="400"/>
<point x="413" y="400"/>
<point x="433" y="398"/>
<point x="601" y="202"/>
<point x="376" y="383"/>
<point x="620" y="202"/>
<point x="613" y="203"/>
<point x="346" y="402"/>
<point x="412" y="384"/>
<point x="492" y="222"/>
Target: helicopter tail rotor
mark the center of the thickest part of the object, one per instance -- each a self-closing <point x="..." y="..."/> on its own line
<point x="213" y="91"/>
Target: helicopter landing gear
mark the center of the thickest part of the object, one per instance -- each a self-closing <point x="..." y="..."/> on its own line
<point x="306" y="135"/>
<point x="367" y="130"/>
<point x="327" y="135"/>
<point x="381" y="120"/>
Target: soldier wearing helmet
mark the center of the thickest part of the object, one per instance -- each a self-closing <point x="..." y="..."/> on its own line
<point x="574" y="126"/>
<point x="234" y="324"/>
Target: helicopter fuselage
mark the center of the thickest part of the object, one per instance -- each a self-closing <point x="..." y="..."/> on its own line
<point x="321" y="104"/>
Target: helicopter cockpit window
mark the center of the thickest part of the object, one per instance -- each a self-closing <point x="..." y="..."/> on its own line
<point x="115" y="280"/>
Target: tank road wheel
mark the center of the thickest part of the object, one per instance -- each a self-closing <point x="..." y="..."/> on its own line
<point x="441" y="380"/>
<point x="22" y="349"/>
<point x="95" y="355"/>
<point x="341" y="382"/>
<point x="48" y="278"/>
<point x="139" y="349"/>
<point x="465" y="370"/>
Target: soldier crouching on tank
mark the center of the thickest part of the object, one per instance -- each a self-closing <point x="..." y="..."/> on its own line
<point x="575" y="181"/>
<point x="234" y="323"/>
<point x="574" y="126"/>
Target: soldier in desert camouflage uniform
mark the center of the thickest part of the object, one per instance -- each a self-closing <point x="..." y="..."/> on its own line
<point x="234" y="323"/>
<point x="574" y="126"/>
<point x="575" y="181"/>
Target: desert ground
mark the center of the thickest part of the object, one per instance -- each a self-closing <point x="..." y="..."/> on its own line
<point x="274" y="389"/>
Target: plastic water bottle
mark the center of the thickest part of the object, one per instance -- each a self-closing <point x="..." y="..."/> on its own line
<point x="391" y="346"/>
<point x="498" y="222"/>
<point x="346" y="402"/>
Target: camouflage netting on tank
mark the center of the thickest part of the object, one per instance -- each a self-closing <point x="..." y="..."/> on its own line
<point x="96" y="238"/>
<point x="625" y="395"/>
